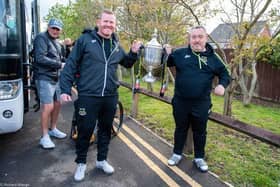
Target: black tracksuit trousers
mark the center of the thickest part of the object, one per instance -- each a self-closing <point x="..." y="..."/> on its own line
<point x="192" y="112"/>
<point x="89" y="109"/>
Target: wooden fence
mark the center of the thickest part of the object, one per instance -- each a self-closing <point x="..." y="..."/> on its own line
<point x="267" y="87"/>
<point x="268" y="82"/>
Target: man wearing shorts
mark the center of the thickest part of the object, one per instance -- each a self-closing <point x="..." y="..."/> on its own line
<point x="48" y="62"/>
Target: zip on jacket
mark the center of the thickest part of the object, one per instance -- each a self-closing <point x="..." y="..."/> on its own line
<point x="97" y="74"/>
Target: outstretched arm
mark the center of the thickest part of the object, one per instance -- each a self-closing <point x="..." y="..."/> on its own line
<point x="133" y="54"/>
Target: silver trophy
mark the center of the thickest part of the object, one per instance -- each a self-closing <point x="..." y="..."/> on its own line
<point x="152" y="57"/>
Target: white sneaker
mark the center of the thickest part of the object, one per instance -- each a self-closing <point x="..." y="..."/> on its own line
<point x="46" y="142"/>
<point x="80" y="172"/>
<point x="174" y="160"/>
<point x="201" y="164"/>
<point x="57" y="133"/>
<point x="105" y="166"/>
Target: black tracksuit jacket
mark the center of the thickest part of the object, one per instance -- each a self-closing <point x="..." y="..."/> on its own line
<point x="195" y="72"/>
<point x="98" y="74"/>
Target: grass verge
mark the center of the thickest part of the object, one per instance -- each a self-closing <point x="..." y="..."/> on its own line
<point x="235" y="157"/>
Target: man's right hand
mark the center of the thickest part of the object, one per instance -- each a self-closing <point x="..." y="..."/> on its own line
<point x="219" y="90"/>
<point x="65" y="98"/>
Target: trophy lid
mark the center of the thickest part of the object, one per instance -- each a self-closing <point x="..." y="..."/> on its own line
<point x="153" y="42"/>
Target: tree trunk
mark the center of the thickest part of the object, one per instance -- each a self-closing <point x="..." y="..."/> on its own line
<point x="242" y="79"/>
<point x="227" y="104"/>
<point x="248" y="96"/>
<point x="135" y="102"/>
<point x="229" y="98"/>
<point x="135" y="96"/>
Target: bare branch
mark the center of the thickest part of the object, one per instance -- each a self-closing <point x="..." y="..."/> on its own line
<point x="247" y="30"/>
<point x="184" y="4"/>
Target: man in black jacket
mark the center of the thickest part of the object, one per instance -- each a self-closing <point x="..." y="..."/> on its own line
<point x="96" y="56"/>
<point x="47" y="64"/>
<point x="196" y="66"/>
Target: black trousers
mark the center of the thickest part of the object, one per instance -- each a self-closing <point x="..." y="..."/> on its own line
<point x="188" y="112"/>
<point x="90" y="109"/>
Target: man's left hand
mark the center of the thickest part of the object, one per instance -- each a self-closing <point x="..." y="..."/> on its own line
<point x="167" y="48"/>
<point x="219" y="90"/>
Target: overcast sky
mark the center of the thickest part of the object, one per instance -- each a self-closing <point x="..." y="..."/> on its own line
<point x="45" y="5"/>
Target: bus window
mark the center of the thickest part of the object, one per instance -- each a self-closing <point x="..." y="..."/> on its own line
<point x="9" y="24"/>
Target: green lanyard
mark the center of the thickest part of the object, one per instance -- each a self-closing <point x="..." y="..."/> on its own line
<point x="204" y="61"/>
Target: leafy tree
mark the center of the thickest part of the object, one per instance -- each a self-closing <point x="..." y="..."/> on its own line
<point x="246" y="46"/>
<point x="270" y="53"/>
<point x="67" y="15"/>
<point x="77" y="16"/>
<point x="137" y="20"/>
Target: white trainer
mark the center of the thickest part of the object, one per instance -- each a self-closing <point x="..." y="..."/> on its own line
<point x="201" y="164"/>
<point x="57" y="133"/>
<point x="174" y="159"/>
<point x="46" y="142"/>
<point x="80" y="172"/>
<point x="105" y="166"/>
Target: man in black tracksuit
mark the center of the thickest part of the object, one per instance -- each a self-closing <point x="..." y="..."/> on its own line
<point x="196" y="66"/>
<point x="97" y="55"/>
